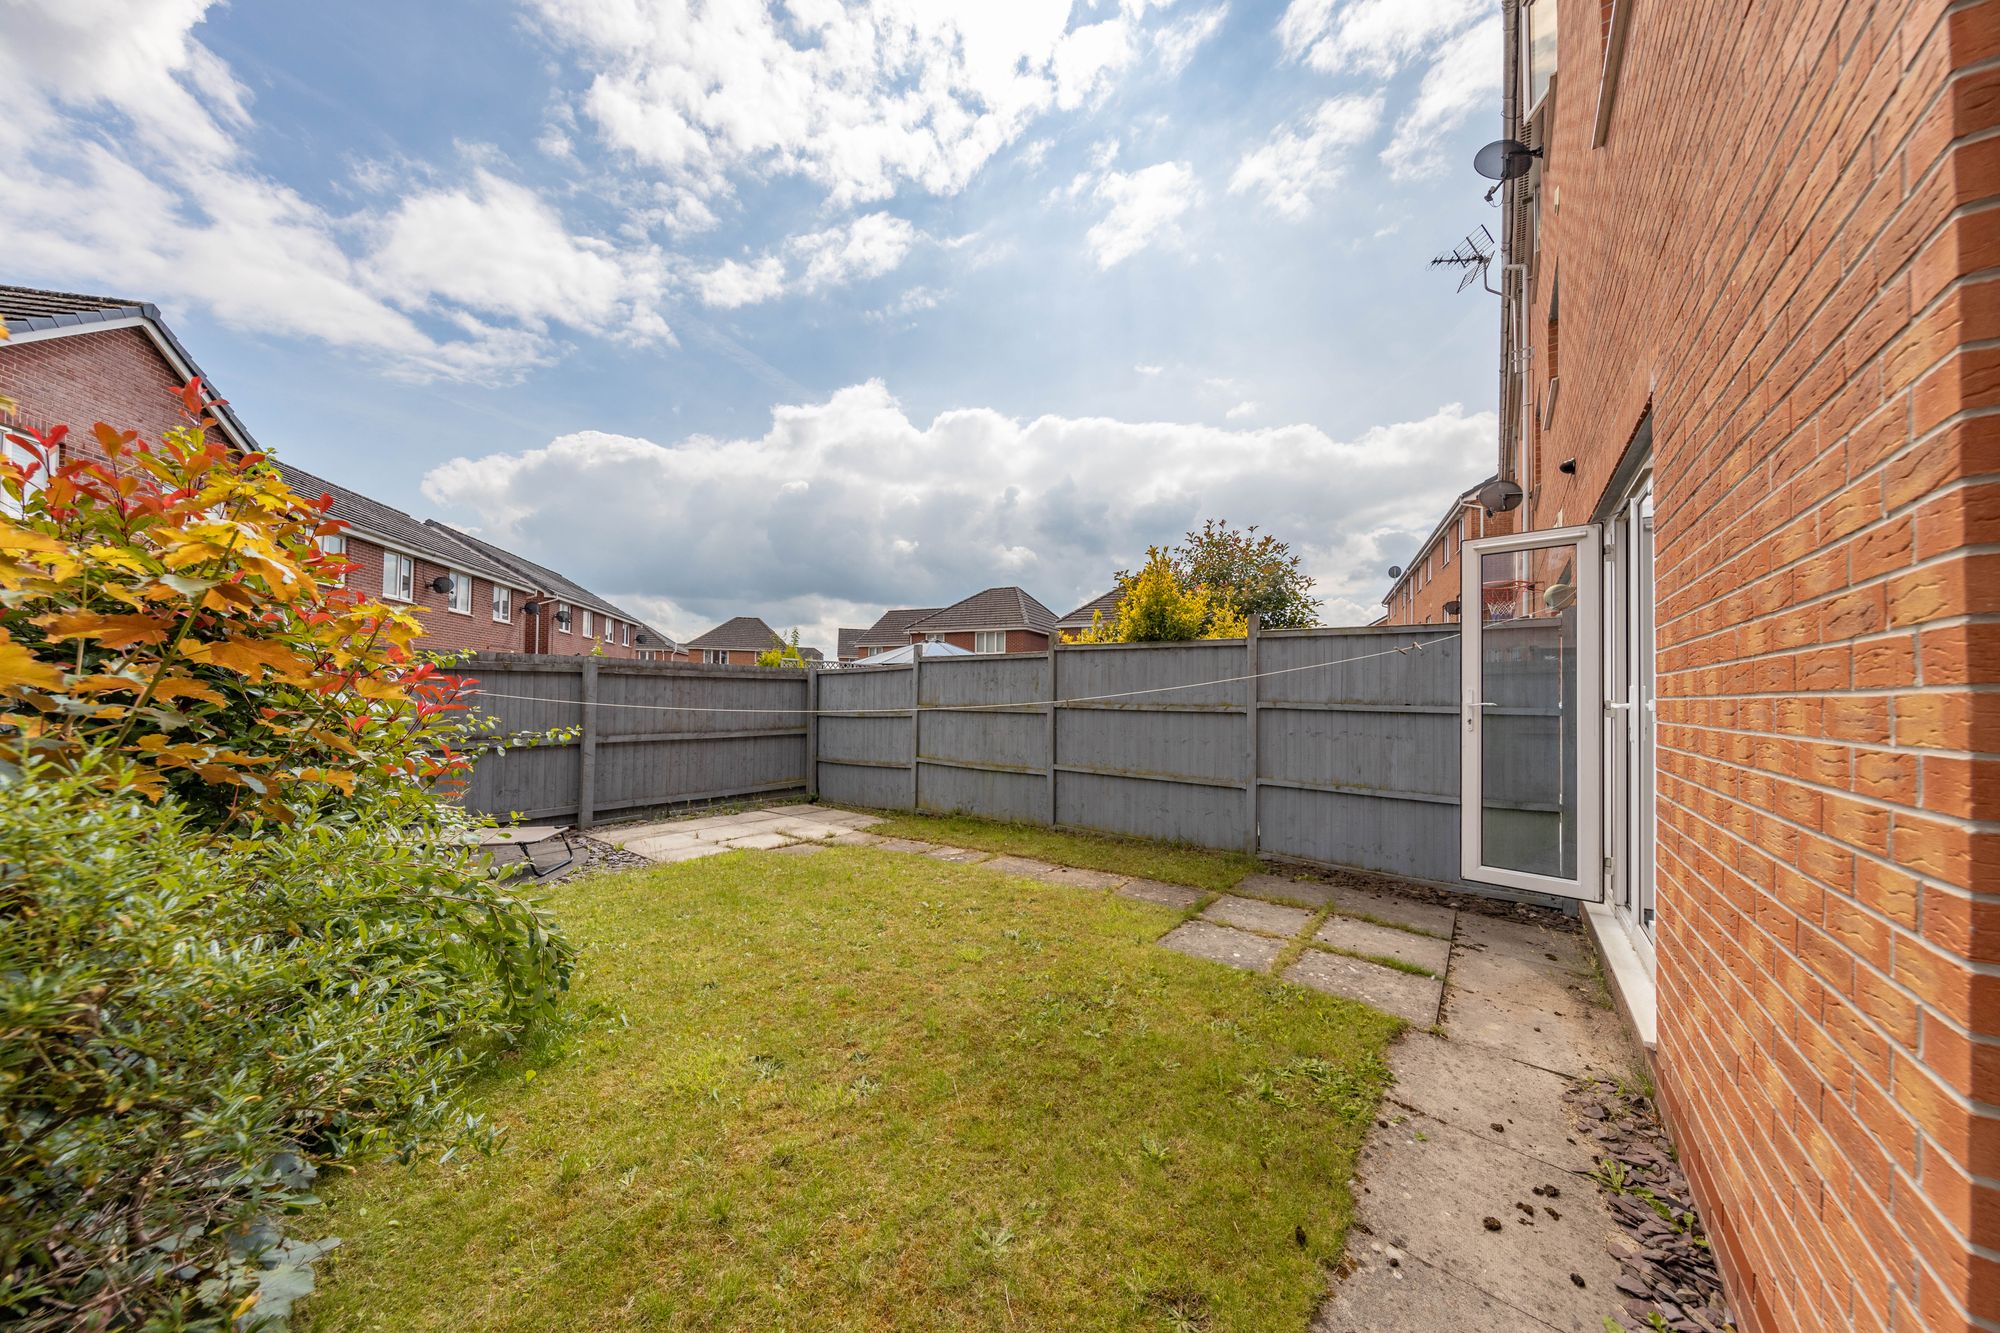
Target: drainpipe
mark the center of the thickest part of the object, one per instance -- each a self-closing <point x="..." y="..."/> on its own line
<point x="1513" y="275"/>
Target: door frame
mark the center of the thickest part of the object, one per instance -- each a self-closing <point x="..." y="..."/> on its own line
<point x="1587" y="546"/>
<point x="1631" y="746"/>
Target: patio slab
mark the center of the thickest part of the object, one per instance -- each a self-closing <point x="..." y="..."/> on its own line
<point x="1299" y="892"/>
<point x="664" y="842"/>
<point x="799" y="849"/>
<point x="1532" y="942"/>
<point x="903" y="845"/>
<point x="1250" y="914"/>
<point x="756" y="842"/>
<point x="1220" y="944"/>
<point x="1156" y="891"/>
<point x="1408" y="997"/>
<point x="962" y="855"/>
<point x="857" y="839"/>
<point x="694" y="853"/>
<point x="1358" y="936"/>
<point x="1050" y="873"/>
<point x="1395" y="909"/>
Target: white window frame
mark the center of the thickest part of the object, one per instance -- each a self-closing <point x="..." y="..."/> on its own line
<point x="503" y="604"/>
<point x="18" y="453"/>
<point x="1588" y="542"/>
<point x="715" y="657"/>
<point x="334" y="544"/>
<point x="989" y="641"/>
<point x="933" y="638"/>
<point x="459" y="600"/>
<point x="399" y="576"/>
<point x="564" y="616"/>
<point x="1532" y="103"/>
<point x="625" y="631"/>
<point x="589" y="622"/>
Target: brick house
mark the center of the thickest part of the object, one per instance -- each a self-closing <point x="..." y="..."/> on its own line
<point x="847" y="641"/>
<point x="735" y="642"/>
<point x="79" y="359"/>
<point x="1081" y="619"/>
<point x="1747" y="608"/>
<point x="1427" y="590"/>
<point x="997" y="620"/>
<point x="891" y="630"/>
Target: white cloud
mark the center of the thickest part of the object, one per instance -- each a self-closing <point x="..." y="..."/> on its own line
<point x="1241" y="410"/>
<point x="123" y="147"/>
<point x="730" y="284"/>
<point x="912" y="302"/>
<point x="899" y="513"/>
<point x="1463" y="81"/>
<point x="1148" y="371"/>
<point x="860" y="99"/>
<point x="1177" y="43"/>
<point x="866" y="247"/>
<point x="1146" y="207"/>
<point x="1300" y="164"/>
<point x="1372" y="36"/>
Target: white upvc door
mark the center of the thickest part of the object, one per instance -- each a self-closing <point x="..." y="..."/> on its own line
<point x="1630" y="716"/>
<point x="1531" y="721"/>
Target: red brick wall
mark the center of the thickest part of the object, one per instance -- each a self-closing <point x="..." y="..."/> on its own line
<point x="1018" y="640"/>
<point x="1789" y="247"/>
<point x="1417" y="598"/>
<point x="118" y="377"/>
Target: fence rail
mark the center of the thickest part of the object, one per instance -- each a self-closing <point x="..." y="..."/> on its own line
<point x="1332" y="746"/>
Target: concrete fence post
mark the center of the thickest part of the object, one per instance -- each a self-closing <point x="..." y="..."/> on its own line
<point x="1049" y="733"/>
<point x="812" y="733"/>
<point x="916" y="718"/>
<point x="1252" y="691"/>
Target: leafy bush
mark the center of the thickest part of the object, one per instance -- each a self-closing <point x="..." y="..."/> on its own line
<point x="1159" y="606"/>
<point x="243" y="931"/>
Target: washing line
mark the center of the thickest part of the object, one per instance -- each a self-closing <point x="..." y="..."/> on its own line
<point x="906" y="710"/>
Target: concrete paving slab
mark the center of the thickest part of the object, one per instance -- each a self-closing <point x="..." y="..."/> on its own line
<point x="904" y="845"/>
<point x="1577" y="1039"/>
<point x="789" y="810"/>
<point x="1387" y="1290"/>
<point x="799" y="849"/>
<point x="630" y="833"/>
<point x="1467" y="1089"/>
<point x="665" y="842"/>
<point x="694" y="853"/>
<point x="1156" y="891"/>
<point x="1251" y="914"/>
<point x="1300" y="892"/>
<point x="1048" y="873"/>
<point x="1528" y="941"/>
<point x="1220" y="944"/>
<point x="1358" y="936"/>
<point x="857" y="839"/>
<point x="810" y="829"/>
<point x="1409" y="997"/>
<point x="844" y="818"/>
<point x="756" y="842"/>
<point x="962" y="855"/>
<point x="1395" y="909"/>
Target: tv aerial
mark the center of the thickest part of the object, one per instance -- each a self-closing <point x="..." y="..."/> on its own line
<point x="1471" y="257"/>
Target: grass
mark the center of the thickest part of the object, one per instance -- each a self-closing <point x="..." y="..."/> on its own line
<point x="858" y="1090"/>
<point x="1173" y="863"/>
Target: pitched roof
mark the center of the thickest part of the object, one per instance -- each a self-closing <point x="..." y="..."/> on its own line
<point x="994" y="608"/>
<point x="849" y="637"/>
<point x="372" y="518"/>
<point x="33" y="310"/>
<point x="812" y="654"/>
<point x="742" y="634"/>
<point x="894" y="626"/>
<point x="1082" y="616"/>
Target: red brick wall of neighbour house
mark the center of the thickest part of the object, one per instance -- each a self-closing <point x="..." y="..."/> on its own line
<point x="445" y="630"/>
<point x="1789" y="248"/>
<point x="117" y="376"/>
<point x="1420" y="599"/>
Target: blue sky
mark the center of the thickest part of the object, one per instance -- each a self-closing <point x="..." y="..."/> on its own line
<point x="806" y="309"/>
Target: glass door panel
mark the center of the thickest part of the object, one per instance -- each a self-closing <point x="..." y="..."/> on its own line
<point x="1532" y="802"/>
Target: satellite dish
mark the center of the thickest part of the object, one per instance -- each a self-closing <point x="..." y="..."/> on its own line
<point x="1395" y="571"/>
<point x="1559" y="596"/>
<point x="1505" y="159"/>
<point x="1499" y="496"/>
<point x="1451" y="607"/>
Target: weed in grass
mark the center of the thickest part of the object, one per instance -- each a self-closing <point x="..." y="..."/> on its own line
<point x="1172" y="863"/>
<point x="1154" y="1150"/>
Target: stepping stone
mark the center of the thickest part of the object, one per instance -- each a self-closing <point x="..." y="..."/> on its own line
<point x="757" y="842"/>
<point x="844" y="818"/>
<point x="1356" y="936"/>
<point x="1530" y="941"/>
<point x="962" y="855"/>
<point x="1304" y="893"/>
<point x="631" y="833"/>
<point x="692" y="853"/>
<point x="1396" y="910"/>
<point x="1399" y="993"/>
<point x="903" y="845"/>
<point x="799" y="849"/>
<point x="659" y="843"/>
<point x="1220" y="944"/>
<point x="1249" y="914"/>
<point x="1029" y="868"/>
<point x="1167" y="895"/>
<point x="802" y="828"/>
<point x="857" y="840"/>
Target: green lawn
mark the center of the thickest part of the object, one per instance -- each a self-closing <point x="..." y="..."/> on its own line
<point x="862" y="1090"/>
<point x="1176" y="863"/>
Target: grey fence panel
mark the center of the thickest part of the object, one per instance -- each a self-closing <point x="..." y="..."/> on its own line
<point x="994" y="795"/>
<point x="1174" y="811"/>
<point x="1128" y="669"/>
<point x="864" y="740"/>
<point x="1012" y="740"/>
<point x="986" y="680"/>
<point x="1204" y="746"/>
<point x="1413" y="839"/>
<point x="1384" y="753"/>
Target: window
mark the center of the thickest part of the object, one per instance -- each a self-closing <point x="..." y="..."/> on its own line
<point x="399" y="576"/>
<point x="18" y="455"/>
<point x="589" y="622"/>
<point x="562" y="616"/>
<point x="989" y="641"/>
<point x="625" y="633"/>
<point x="1538" y="51"/>
<point x="503" y="604"/>
<point x="335" y="545"/>
<point x="715" y="656"/>
<point x="459" y="599"/>
<point x="933" y="638"/>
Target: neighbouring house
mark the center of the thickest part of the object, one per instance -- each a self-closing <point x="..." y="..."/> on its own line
<point x="1742" y="637"/>
<point x="735" y="642"/>
<point x="892" y="630"/>
<point x="997" y="620"/>
<point x="79" y="359"/>
<point x="1081" y="619"/>
<point x="1426" y="592"/>
<point x="847" y="644"/>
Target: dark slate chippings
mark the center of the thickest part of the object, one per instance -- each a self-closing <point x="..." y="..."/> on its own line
<point x="1669" y="1274"/>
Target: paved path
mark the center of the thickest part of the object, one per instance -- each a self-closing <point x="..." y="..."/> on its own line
<point x="1476" y="1208"/>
